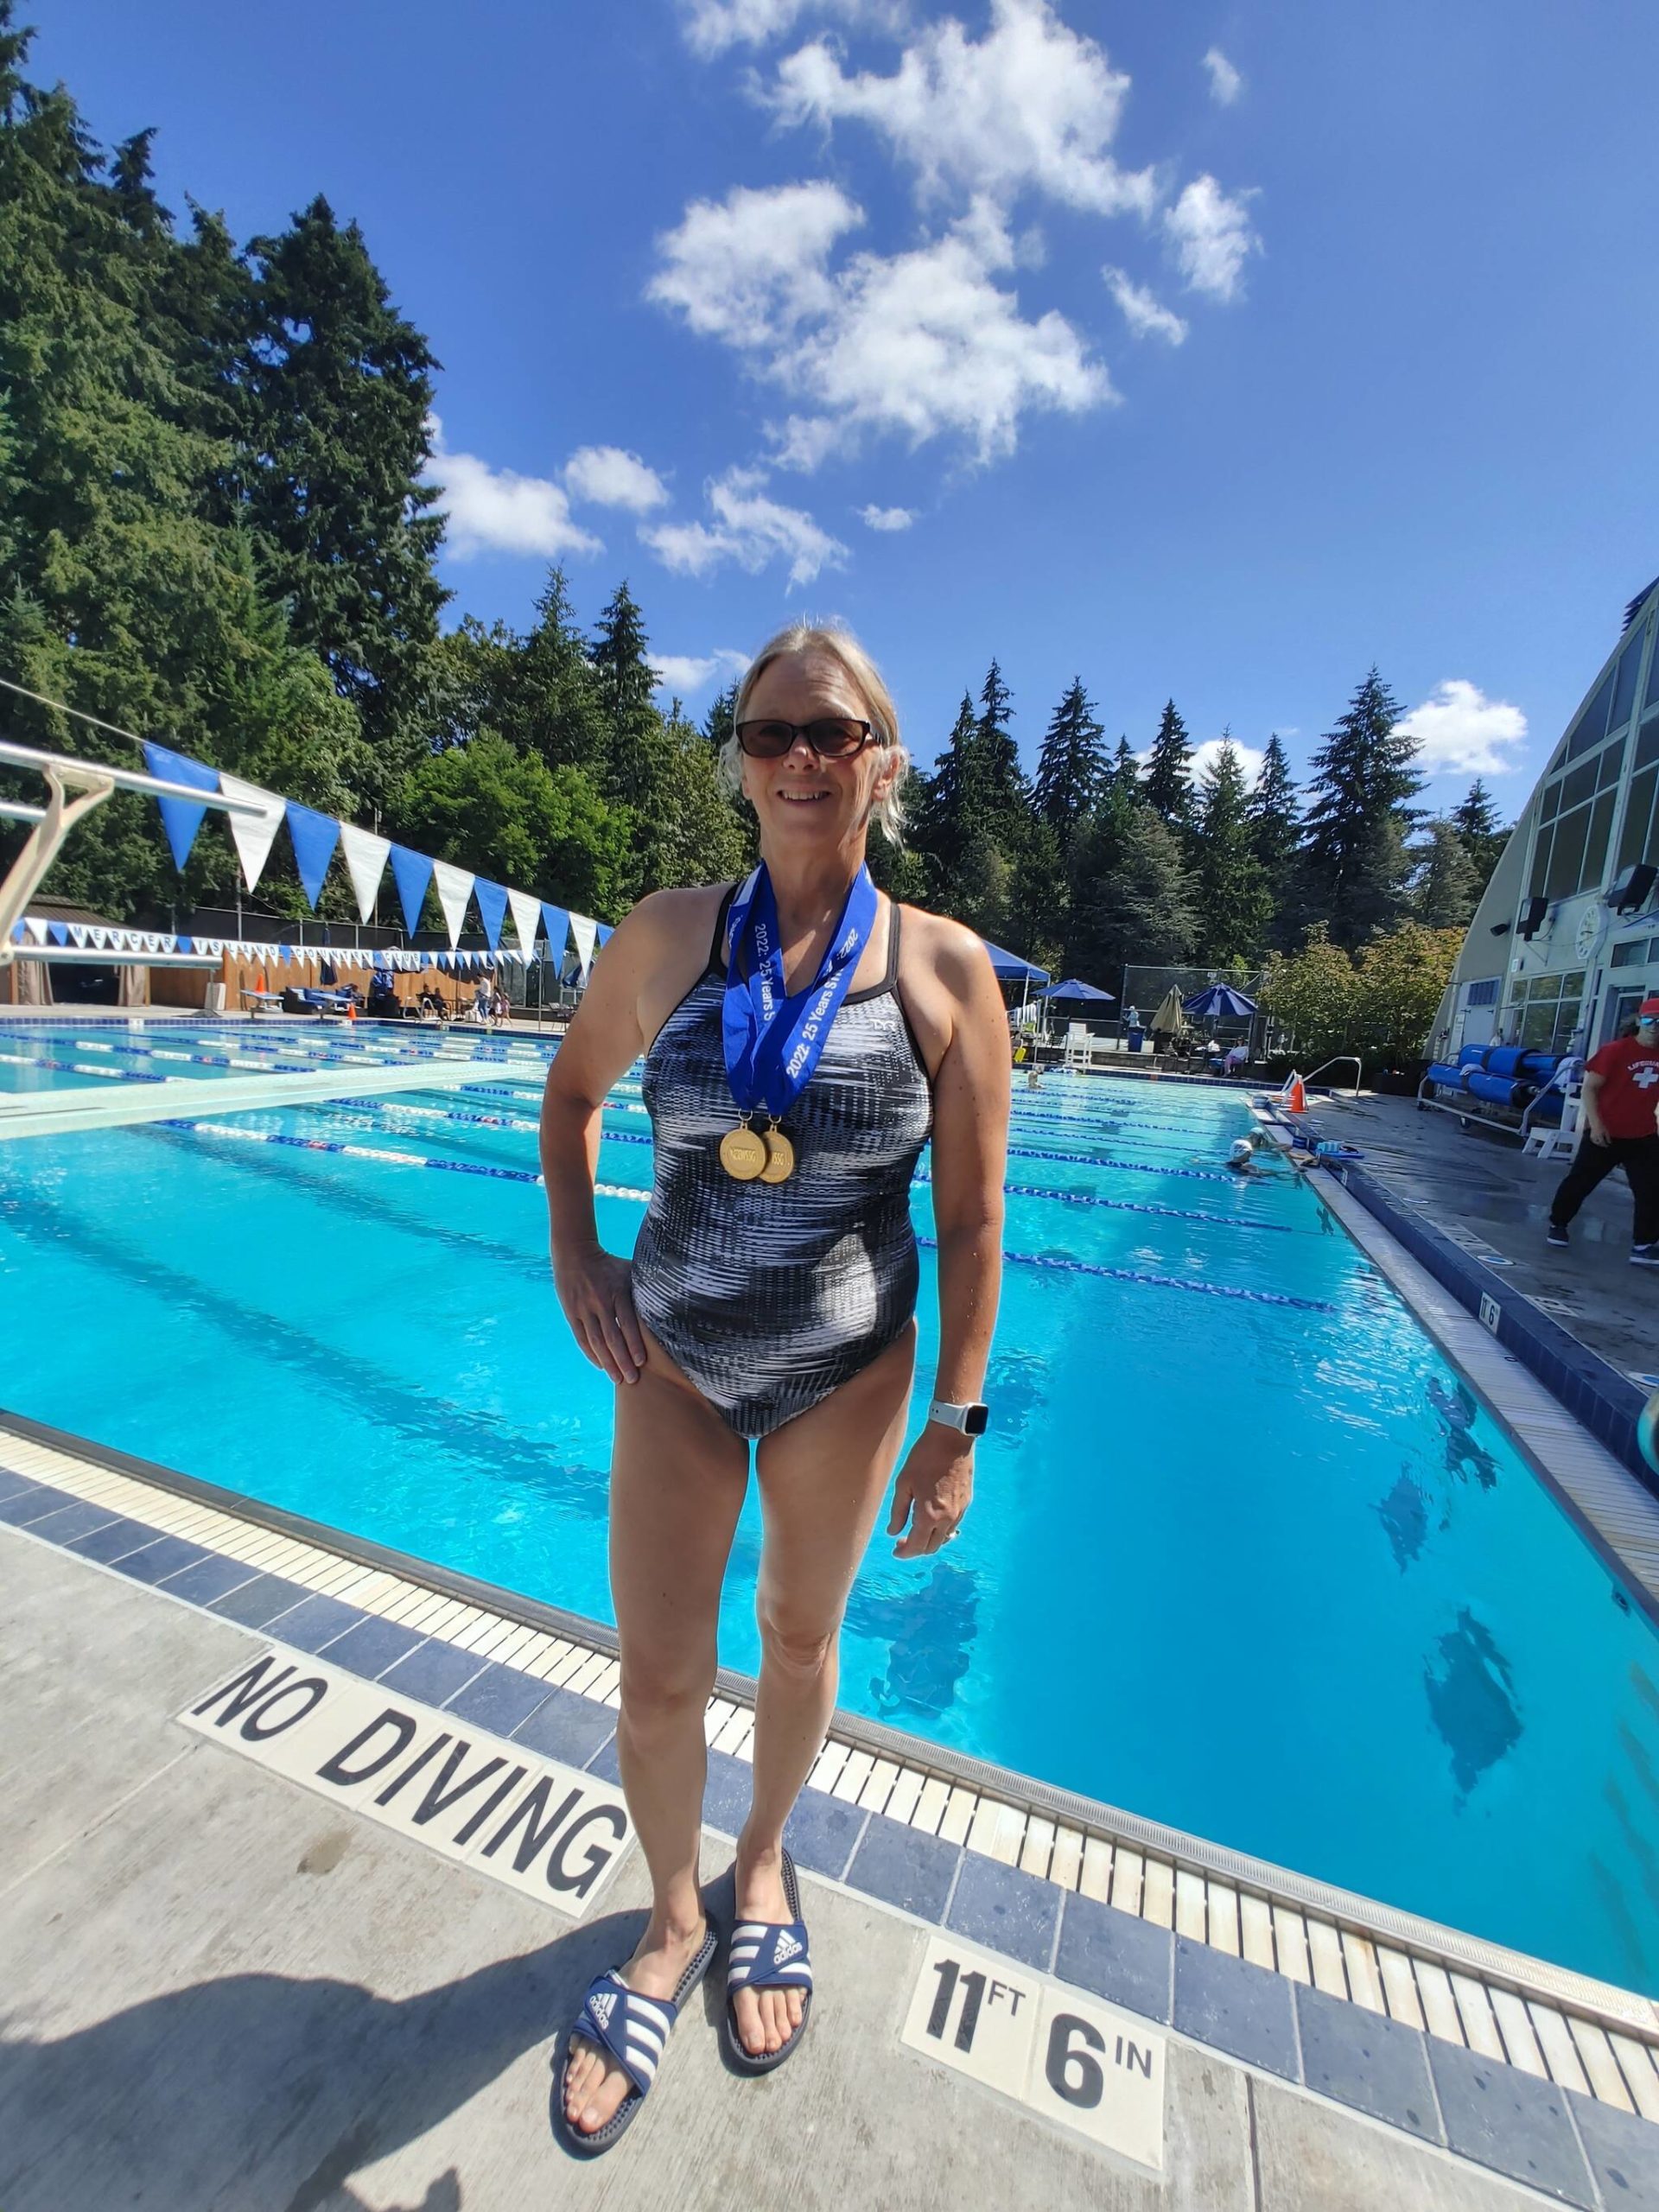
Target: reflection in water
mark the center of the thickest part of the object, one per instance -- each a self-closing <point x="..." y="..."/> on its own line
<point x="1618" y="1912"/>
<point x="1014" y="1386"/>
<point x="1456" y="1408"/>
<point x="1404" y="1515"/>
<point x="1472" y="1701"/>
<point x="929" y="1632"/>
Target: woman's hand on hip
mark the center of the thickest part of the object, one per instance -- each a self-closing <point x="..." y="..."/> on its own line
<point x="933" y="1491"/>
<point x="596" y="1291"/>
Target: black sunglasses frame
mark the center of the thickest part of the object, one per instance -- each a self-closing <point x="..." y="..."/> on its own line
<point x="805" y="730"/>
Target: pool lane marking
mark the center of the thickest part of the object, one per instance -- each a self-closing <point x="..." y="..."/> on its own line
<point x="630" y="1136"/>
<point x="528" y="1175"/>
<point x="543" y="1828"/>
<point x="1095" y="2069"/>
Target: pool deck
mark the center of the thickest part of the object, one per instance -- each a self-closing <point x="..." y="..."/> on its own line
<point x="363" y="2020"/>
<point x="1483" y="1185"/>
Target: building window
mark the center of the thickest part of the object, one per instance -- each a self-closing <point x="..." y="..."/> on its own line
<point x="1640" y="840"/>
<point x="1571" y="848"/>
<point x="1636" y="954"/>
<point x="1591" y="725"/>
<point x="1630" y="667"/>
<point x="1544" y="1011"/>
<point x="1484" y="993"/>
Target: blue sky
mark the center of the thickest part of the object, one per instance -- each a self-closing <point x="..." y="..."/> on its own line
<point x="1205" y="352"/>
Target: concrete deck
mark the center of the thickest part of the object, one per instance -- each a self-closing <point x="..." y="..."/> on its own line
<point x="1481" y="1182"/>
<point x="221" y="1992"/>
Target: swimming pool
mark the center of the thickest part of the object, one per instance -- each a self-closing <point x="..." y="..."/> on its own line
<point x="1245" y="1557"/>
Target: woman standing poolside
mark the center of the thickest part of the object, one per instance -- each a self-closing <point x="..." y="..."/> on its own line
<point x="803" y="1037"/>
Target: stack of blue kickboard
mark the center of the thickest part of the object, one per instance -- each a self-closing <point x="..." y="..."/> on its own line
<point x="1501" y="1075"/>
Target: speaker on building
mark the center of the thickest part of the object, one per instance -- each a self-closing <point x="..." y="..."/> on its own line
<point x="1532" y="918"/>
<point x="1632" y="894"/>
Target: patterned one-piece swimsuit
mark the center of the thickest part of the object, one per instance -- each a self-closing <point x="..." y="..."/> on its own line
<point x="769" y="1296"/>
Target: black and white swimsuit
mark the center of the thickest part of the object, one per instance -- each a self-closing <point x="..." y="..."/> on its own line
<point x="769" y="1296"/>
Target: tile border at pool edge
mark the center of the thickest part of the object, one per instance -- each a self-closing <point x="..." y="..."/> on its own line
<point x="1350" y="1948"/>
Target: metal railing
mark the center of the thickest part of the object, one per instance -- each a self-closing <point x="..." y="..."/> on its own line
<point x="1340" y="1060"/>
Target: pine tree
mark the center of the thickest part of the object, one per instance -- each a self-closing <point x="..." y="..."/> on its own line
<point x="1125" y="769"/>
<point x="997" y="796"/>
<point x="1071" y="769"/>
<point x="335" y="393"/>
<point x="938" y="828"/>
<point x="1130" y="893"/>
<point x="1447" y="887"/>
<point x="1168" y="782"/>
<point x="557" y="708"/>
<point x="1476" y="822"/>
<point x="721" y="718"/>
<point x="1357" y="827"/>
<point x="1275" y="837"/>
<point x="626" y="684"/>
<point x="1231" y="887"/>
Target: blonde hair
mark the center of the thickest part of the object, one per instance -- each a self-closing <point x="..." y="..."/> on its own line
<point x="888" y="812"/>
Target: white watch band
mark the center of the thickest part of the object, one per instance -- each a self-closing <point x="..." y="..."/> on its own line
<point x="951" y="1416"/>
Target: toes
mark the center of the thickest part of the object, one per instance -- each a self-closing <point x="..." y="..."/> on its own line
<point x="751" y="2026"/>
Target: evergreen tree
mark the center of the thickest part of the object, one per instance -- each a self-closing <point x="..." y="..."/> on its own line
<point x="1447" y="889"/>
<point x="1168" y="782"/>
<point x="939" y="816"/>
<point x="1071" y="769"/>
<point x="997" y="796"/>
<point x="1357" y="827"/>
<point x="721" y="718"/>
<point x="1476" y="821"/>
<point x="334" y="391"/>
<point x="1125" y="769"/>
<point x="557" y="707"/>
<point x="1130" y="893"/>
<point x="1275" y="837"/>
<point x="1230" y="895"/>
<point x="626" y="685"/>
<point x="686" y="829"/>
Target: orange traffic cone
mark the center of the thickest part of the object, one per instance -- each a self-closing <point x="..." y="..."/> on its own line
<point x="1294" y="1094"/>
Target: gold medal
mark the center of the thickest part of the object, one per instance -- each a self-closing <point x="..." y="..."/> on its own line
<point x="743" y="1153"/>
<point x="780" y="1155"/>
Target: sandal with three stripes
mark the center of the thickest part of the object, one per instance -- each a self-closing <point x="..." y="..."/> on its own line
<point x="633" y="2029"/>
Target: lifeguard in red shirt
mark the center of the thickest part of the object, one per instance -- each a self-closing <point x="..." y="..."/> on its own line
<point x="1621" y="1119"/>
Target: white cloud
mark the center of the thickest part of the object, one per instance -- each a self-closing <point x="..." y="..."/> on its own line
<point x="922" y="343"/>
<point x="1032" y="105"/>
<point x="1146" y="314"/>
<point x="1225" y="83"/>
<point x="1212" y="237"/>
<point x="1250" y="757"/>
<point x="747" y="528"/>
<point x="712" y="25"/>
<point x="687" y="673"/>
<point x="750" y="270"/>
<point x="1460" y="731"/>
<point x="608" y="476"/>
<point x="887" y="517"/>
<point x="498" y="510"/>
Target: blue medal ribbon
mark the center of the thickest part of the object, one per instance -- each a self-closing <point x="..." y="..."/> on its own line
<point x="773" y="1040"/>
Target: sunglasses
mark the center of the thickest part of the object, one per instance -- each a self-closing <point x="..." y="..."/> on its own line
<point x="836" y="737"/>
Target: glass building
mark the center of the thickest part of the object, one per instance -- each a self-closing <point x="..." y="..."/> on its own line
<point x="1564" y="943"/>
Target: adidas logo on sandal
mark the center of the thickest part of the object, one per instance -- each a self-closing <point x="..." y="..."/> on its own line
<point x="601" y="2005"/>
<point x="787" y="1948"/>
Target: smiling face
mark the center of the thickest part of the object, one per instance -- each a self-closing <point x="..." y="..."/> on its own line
<point x="804" y="802"/>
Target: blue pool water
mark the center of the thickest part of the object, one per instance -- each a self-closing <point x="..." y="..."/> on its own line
<point x="1244" y="1557"/>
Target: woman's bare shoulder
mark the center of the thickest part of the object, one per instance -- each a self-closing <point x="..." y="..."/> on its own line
<point x="946" y="950"/>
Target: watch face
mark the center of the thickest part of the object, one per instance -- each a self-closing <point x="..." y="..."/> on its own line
<point x="977" y="1421"/>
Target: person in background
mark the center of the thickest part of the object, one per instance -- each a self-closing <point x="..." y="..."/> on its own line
<point x="1621" y="1129"/>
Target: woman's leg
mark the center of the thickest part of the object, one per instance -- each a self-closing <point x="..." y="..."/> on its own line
<point x="677" y="1477"/>
<point x="823" y="1478"/>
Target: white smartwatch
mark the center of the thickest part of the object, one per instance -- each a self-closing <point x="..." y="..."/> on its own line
<point x="971" y="1419"/>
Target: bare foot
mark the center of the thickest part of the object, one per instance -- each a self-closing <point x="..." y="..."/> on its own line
<point x="595" y="2084"/>
<point x="766" y="2018"/>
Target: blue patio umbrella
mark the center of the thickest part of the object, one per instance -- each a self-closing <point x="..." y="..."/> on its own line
<point x="1082" y="993"/>
<point x="1010" y="968"/>
<point x="1219" y="1003"/>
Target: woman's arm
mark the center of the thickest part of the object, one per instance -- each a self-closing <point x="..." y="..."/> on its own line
<point x="959" y="1003"/>
<point x="606" y="1036"/>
